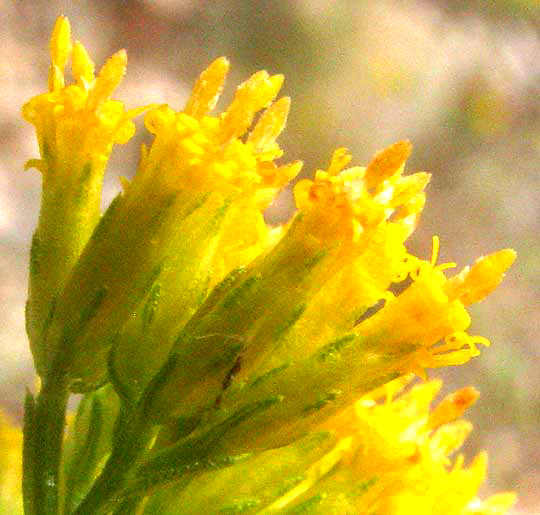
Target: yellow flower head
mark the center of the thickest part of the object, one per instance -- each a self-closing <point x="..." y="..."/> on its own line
<point x="191" y="214"/>
<point x="352" y="203"/>
<point x="77" y="124"/>
<point x="363" y="215"/>
<point x="235" y="337"/>
<point x="432" y="309"/>
<point x="405" y="447"/>
<point x="303" y="307"/>
<point x="195" y="152"/>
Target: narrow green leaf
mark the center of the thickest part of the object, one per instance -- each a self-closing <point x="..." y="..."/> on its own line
<point x="194" y="453"/>
<point x="88" y="443"/>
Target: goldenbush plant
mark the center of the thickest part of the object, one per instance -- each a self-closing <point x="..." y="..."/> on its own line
<point x="226" y="366"/>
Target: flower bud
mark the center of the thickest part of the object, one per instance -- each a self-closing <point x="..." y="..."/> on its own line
<point x="76" y="126"/>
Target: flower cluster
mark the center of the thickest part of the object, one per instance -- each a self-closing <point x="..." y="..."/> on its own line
<point x="222" y="360"/>
<point x="387" y="454"/>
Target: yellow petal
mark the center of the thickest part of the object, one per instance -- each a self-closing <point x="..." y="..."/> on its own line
<point x="340" y="159"/>
<point x="270" y="124"/>
<point x="251" y="96"/>
<point x="108" y="79"/>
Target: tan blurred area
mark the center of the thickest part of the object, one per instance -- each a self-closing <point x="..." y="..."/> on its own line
<point x="459" y="78"/>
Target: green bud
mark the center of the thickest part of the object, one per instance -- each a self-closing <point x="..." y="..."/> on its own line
<point x="76" y="128"/>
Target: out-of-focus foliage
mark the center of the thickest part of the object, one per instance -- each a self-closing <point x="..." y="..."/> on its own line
<point x="10" y="467"/>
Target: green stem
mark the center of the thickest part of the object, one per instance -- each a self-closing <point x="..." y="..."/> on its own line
<point x="132" y="506"/>
<point x="29" y="456"/>
<point x="47" y="437"/>
<point x="100" y="497"/>
<point x="131" y="439"/>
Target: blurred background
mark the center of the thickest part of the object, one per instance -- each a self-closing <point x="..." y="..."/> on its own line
<point x="459" y="78"/>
